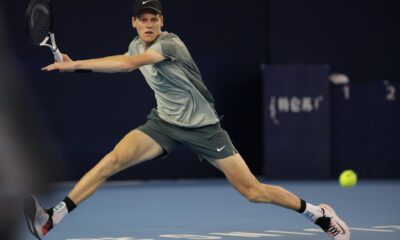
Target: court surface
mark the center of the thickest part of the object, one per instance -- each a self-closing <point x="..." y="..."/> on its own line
<point x="212" y="209"/>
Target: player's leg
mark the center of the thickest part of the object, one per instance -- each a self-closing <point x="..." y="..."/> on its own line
<point x="133" y="149"/>
<point x="241" y="178"/>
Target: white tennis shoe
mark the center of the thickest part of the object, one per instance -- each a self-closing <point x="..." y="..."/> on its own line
<point x="39" y="221"/>
<point x="336" y="228"/>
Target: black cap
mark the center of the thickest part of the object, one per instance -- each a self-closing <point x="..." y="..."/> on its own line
<point x="141" y="5"/>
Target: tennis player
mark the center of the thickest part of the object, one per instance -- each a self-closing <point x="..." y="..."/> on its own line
<point x="185" y="114"/>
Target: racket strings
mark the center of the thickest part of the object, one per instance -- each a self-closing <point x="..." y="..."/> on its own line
<point x="39" y="21"/>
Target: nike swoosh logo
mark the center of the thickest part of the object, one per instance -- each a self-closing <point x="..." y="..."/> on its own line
<point x="220" y="149"/>
<point x="144" y="2"/>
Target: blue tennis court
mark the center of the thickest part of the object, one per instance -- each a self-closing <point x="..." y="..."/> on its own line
<point x="212" y="209"/>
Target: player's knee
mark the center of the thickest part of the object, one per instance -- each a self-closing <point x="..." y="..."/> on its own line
<point x="109" y="165"/>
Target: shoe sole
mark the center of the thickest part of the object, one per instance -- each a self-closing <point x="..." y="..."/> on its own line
<point x="30" y="209"/>
<point x="342" y="224"/>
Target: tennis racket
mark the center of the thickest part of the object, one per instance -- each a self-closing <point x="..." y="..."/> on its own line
<point x="39" y="23"/>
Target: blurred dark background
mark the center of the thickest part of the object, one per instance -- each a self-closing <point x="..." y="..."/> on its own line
<point x="87" y="114"/>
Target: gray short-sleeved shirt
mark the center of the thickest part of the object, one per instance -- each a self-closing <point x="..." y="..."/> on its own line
<point x="182" y="98"/>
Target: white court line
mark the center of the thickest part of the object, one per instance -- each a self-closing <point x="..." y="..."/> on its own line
<point x="397" y="227"/>
<point x="318" y="230"/>
<point x="107" y="238"/>
<point x="246" y="234"/>
<point x="188" y="236"/>
<point x="290" y="233"/>
<point x="371" y="230"/>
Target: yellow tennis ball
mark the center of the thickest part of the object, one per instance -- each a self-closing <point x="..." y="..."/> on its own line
<point x="348" y="179"/>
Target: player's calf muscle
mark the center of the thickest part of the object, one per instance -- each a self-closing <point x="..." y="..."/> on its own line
<point x="251" y="191"/>
<point x="262" y="193"/>
<point x="255" y="194"/>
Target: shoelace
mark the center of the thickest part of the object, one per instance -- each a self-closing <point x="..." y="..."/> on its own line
<point x="333" y="230"/>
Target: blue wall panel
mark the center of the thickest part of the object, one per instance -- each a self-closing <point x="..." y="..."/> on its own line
<point x="365" y="129"/>
<point x="296" y="122"/>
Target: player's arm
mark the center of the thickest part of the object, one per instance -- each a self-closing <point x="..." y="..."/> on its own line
<point x="118" y="63"/>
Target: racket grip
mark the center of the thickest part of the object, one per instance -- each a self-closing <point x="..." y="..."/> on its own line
<point x="58" y="56"/>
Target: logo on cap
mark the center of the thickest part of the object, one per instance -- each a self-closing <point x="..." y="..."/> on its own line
<point x="145" y="2"/>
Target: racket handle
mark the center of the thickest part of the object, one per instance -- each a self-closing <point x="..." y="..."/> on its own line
<point x="58" y="56"/>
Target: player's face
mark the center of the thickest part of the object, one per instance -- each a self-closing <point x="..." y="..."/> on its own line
<point x="148" y="26"/>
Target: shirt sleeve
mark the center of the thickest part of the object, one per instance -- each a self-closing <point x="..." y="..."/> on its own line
<point x="169" y="48"/>
<point x="131" y="49"/>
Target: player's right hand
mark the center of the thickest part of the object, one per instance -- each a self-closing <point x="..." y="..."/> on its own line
<point x="66" y="58"/>
<point x="61" y="66"/>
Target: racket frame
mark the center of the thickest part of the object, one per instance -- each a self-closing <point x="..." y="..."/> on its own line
<point x="50" y="35"/>
<point x="53" y="46"/>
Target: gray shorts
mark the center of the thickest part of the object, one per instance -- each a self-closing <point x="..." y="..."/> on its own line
<point x="210" y="142"/>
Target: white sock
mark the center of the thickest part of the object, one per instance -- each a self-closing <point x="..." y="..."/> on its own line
<point x="312" y="212"/>
<point x="59" y="212"/>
